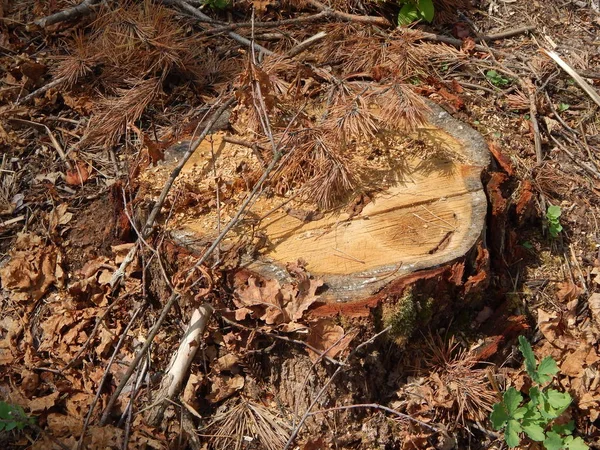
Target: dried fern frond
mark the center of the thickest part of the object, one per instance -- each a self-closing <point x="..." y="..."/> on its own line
<point x="247" y="419"/>
<point x="400" y="108"/>
<point x="126" y="107"/>
<point x="79" y="61"/>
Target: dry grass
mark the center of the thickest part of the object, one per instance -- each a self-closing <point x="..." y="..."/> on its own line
<point x="246" y="420"/>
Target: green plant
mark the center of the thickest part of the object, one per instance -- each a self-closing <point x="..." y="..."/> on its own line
<point x="496" y="79"/>
<point x="536" y="416"/>
<point x="553" y="218"/>
<point x="13" y="416"/>
<point x="413" y="10"/>
<point x="217" y="4"/>
<point x="562" y="107"/>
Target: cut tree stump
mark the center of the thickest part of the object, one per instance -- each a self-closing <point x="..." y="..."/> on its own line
<point x="433" y="218"/>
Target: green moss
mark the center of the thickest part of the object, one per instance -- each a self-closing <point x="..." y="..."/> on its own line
<point x="401" y="317"/>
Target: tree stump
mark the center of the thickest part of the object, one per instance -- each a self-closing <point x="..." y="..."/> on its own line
<point x="431" y="219"/>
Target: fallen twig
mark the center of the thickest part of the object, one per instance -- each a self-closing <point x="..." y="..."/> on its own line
<point x="588" y="168"/>
<point x="505" y="34"/>
<point x="40" y="91"/>
<point x="589" y="90"/>
<point x="273" y="24"/>
<point x="83" y="9"/>
<point x="304" y="45"/>
<point x="185" y="6"/>
<point x="381" y="21"/>
<point x="147" y="228"/>
<point x="107" y="374"/>
<point x="175" y="295"/>
<point x="172" y="382"/>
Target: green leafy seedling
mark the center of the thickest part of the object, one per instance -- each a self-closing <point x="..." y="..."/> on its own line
<point x="553" y="218"/>
<point x="562" y="107"/>
<point x="496" y="79"/>
<point x="413" y="10"/>
<point x="534" y="417"/>
<point x="13" y="417"/>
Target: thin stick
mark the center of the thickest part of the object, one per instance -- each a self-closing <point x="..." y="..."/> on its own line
<point x="373" y="20"/>
<point x="175" y="295"/>
<point x="588" y="168"/>
<point x="106" y="374"/>
<point x="314" y="364"/>
<point x="40" y="91"/>
<point x="83" y="9"/>
<point x="147" y="228"/>
<point x="505" y="34"/>
<point x="326" y="385"/>
<point x="589" y="90"/>
<point x="203" y="17"/>
<point x="55" y="143"/>
<point x="376" y="406"/>
<point x="173" y="381"/>
<point x="537" y="141"/>
<point x="304" y="45"/>
<point x="281" y="338"/>
<point x="274" y="24"/>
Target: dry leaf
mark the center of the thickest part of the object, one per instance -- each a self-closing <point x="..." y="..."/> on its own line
<point x="594" y="303"/>
<point x="59" y="216"/>
<point x="32" y="269"/>
<point x="568" y="292"/>
<point x="549" y="326"/>
<point x="78" y="175"/>
<point x="573" y="364"/>
<point x="326" y="335"/>
<point x="43" y="403"/>
<point x="224" y="387"/>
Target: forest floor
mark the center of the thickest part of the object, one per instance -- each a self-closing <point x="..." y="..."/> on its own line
<point x="98" y="108"/>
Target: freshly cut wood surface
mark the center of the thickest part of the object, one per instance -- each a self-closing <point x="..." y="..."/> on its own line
<point x="433" y="215"/>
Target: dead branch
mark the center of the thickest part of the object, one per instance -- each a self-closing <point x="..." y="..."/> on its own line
<point x="578" y="79"/>
<point x="326" y="385"/>
<point x="196" y="13"/>
<point x="350" y="17"/>
<point x="505" y="34"/>
<point x="83" y="9"/>
<point x="147" y="228"/>
<point x="172" y="382"/>
<point x="274" y="24"/>
<point x="175" y="296"/>
<point x="41" y="90"/>
<point x="304" y="45"/>
<point x="106" y="375"/>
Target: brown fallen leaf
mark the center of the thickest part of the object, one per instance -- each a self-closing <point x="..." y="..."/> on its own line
<point x="78" y="175"/>
<point x="326" y="335"/>
<point x="32" y="269"/>
<point x="43" y="403"/>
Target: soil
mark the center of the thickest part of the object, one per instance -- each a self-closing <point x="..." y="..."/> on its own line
<point x="83" y="165"/>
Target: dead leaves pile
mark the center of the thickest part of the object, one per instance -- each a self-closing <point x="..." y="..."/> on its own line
<point x="284" y="308"/>
<point x="60" y="318"/>
<point x="573" y="346"/>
